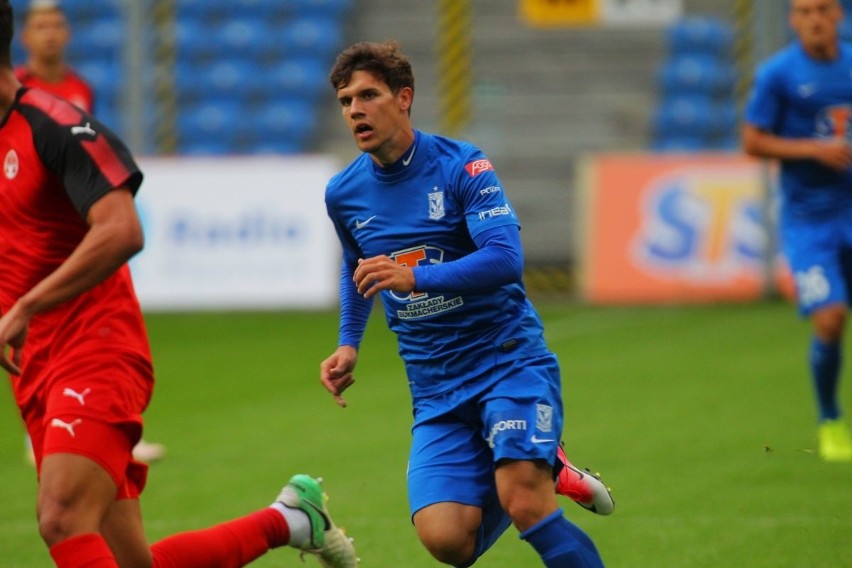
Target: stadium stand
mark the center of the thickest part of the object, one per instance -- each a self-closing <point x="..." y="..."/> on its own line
<point x="696" y="109"/>
<point x="257" y="62"/>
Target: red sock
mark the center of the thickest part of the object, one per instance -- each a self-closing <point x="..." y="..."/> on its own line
<point x="229" y="545"/>
<point x="83" y="551"/>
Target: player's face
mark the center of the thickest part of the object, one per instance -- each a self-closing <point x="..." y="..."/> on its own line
<point x="46" y="34"/>
<point x="377" y="118"/>
<point x="816" y="23"/>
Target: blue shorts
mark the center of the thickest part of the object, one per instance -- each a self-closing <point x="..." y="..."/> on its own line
<point x="820" y="257"/>
<point x="514" y="413"/>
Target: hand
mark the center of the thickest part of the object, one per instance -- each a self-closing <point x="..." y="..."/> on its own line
<point x="381" y="273"/>
<point x="336" y="372"/>
<point x="835" y="155"/>
<point x="13" y="332"/>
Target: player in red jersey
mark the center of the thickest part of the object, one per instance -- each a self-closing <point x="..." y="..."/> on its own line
<point x="45" y="36"/>
<point x="73" y="340"/>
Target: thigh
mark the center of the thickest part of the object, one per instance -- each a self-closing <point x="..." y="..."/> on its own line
<point x="449" y="462"/>
<point x="522" y="413"/>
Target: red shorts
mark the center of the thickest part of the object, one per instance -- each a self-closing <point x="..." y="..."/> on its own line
<point x="94" y="409"/>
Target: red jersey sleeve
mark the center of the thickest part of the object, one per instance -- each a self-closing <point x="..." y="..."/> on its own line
<point x="88" y="157"/>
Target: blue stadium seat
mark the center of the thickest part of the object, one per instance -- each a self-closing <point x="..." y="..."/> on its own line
<point x="78" y="11"/>
<point x="105" y="78"/>
<point x="335" y="8"/>
<point x="683" y="116"/>
<point x="696" y="74"/>
<point x="700" y="35"/>
<point x="98" y="39"/>
<point x="245" y="37"/>
<point x="290" y="121"/>
<point x="298" y="78"/>
<point x="311" y="37"/>
<point x="679" y="144"/>
<point x="220" y="121"/>
<point x="192" y="40"/>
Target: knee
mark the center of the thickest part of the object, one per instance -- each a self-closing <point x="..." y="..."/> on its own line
<point x="829" y="325"/>
<point x="55" y="521"/>
<point x="447" y="544"/>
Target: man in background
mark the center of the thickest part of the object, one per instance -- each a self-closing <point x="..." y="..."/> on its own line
<point x="800" y="113"/>
<point x="45" y="36"/>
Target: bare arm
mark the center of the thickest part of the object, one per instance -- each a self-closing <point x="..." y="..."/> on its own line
<point x="762" y="144"/>
<point x="114" y="236"/>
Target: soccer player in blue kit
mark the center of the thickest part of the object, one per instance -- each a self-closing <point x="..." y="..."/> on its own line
<point x="800" y="113"/>
<point x="424" y="223"/>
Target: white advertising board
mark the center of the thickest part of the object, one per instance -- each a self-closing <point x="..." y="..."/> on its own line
<point x="236" y="233"/>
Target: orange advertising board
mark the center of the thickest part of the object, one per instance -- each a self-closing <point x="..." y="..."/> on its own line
<point x="673" y="228"/>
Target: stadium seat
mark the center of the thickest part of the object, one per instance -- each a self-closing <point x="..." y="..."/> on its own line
<point x="79" y="11"/>
<point x="311" y="37"/>
<point x="105" y="77"/>
<point x="335" y="8"/>
<point x="97" y="39"/>
<point x="683" y="116"/>
<point x="285" y="121"/>
<point x="696" y="34"/>
<point x="244" y="37"/>
<point x="298" y="77"/>
<point x="192" y="40"/>
<point x="219" y="121"/>
<point x="696" y="74"/>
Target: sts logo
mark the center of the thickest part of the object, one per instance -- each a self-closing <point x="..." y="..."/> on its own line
<point x="701" y="224"/>
<point x="416" y="256"/>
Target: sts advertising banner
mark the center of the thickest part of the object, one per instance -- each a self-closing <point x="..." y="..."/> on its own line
<point x="236" y="233"/>
<point x="661" y="229"/>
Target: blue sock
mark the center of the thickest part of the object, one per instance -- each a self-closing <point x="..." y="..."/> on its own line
<point x="562" y="544"/>
<point x="825" y="361"/>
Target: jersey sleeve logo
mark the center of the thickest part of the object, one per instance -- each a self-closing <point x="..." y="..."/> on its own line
<point x="479" y="166"/>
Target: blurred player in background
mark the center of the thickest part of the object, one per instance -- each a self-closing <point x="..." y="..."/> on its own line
<point x="425" y="224"/>
<point x="73" y="340"/>
<point x="44" y="36"/>
<point x="800" y="113"/>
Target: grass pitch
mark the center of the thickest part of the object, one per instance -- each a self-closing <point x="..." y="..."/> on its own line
<point x="700" y="418"/>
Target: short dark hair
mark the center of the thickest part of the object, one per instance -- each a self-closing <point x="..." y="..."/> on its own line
<point x="36" y="6"/>
<point x="7" y="30"/>
<point x="385" y="60"/>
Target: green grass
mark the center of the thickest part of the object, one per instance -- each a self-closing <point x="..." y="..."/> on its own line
<point x="700" y="418"/>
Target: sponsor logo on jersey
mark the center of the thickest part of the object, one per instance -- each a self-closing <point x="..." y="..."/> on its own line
<point x="416" y="256"/>
<point x="11" y="164"/>
<point x="479" y="166"/>
<point x="495" y="212"/>
<point x="490" y="189"/>
<point x="79" y="396"/>
<point x="835" y="122"/>
<point x="68" y="426"/>
<point x="436" y="204"/>
<point x="505" y="426"/>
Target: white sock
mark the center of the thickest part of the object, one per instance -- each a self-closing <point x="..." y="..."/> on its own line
<point x="299" y="523"/>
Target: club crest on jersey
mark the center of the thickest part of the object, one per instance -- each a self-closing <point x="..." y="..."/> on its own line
<point x="11" y="164"/>
<point x="543" y="417"/>
<point x="436" y="204"/>
<point x="479" y="166"/>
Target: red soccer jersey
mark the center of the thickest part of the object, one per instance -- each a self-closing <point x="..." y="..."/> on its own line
<point x="57" y="162"/>
<point x="72" y="87"/>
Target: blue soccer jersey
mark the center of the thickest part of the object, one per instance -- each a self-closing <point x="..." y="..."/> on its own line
<point x="795" y="96"/>
<point x="428" y="209"/>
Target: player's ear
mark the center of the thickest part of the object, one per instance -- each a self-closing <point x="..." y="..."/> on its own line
<point x="405" y="98"/>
